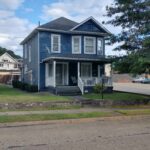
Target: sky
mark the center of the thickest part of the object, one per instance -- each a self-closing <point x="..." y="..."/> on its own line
<point x="19" y="17"/>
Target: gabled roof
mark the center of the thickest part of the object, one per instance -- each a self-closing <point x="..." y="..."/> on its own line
<point x="95" y="21"/>
<point x="64" y="25"/>
<point x="61" y="23"/>
<point x="9" y="56"/>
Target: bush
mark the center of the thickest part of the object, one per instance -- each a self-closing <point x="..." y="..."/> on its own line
<point x="98" y="88"/>
<point x="25" y="86"/>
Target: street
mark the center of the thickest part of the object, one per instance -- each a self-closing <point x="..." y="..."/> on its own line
<point x="133" y="88"/>
<point x="111" y="134"/>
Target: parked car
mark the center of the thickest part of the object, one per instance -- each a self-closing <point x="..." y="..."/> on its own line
<point x="146" y="80"/>
<point x="138" y="79"/>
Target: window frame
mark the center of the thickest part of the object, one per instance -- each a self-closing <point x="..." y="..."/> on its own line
<point x="59" y="43"/>
<point x="94" y="50"/>
<point x="25" y="51"/>
<point x="29" y="51"/>
<point x="102" y="46"/>
<point x="74" y="52"/>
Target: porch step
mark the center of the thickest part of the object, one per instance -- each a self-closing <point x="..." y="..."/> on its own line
<point x="68" y="90"/>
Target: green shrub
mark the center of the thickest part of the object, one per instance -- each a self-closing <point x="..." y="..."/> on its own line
<point x="98" y="88"/>
<point x="25" y="86"/>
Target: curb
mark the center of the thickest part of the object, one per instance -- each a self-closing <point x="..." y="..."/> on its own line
<point x="72" y="121"/>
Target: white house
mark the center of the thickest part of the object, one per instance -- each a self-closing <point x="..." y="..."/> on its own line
<point x="10" y="68"/>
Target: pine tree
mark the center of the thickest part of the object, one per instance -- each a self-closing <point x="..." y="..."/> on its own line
<point x="134" y="18"/>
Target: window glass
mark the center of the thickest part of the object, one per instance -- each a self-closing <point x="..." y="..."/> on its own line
<point x="76" y="44"/>
<point x="100" y="46"/>
<point x="89" y="45"/>
<point x="50" y="70"/>
<point x="55" y="43"/>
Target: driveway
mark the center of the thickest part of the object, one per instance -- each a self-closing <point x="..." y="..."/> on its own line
<point x="115" y="134"/>
<point x="133" y="88"/>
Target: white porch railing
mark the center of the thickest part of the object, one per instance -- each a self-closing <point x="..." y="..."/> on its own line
<point x="92" y="81"/>
<point x="81" y="85"/>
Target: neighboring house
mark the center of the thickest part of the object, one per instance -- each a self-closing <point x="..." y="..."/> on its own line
<point x="63" y="54"/>
<point x="10" y="68"/>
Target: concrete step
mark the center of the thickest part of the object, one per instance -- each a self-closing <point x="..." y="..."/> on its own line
<point x="68" y="90"/>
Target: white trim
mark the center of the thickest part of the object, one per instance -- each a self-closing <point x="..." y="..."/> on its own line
<point x="59" y="43"/>
<point x="94" y="50"/>
<point x="54" y="73"/>
<point x="93" y="19"/>
<point x="73" y="52"/>
<point x="9" y="56"/>
<point x="90" y="67"/>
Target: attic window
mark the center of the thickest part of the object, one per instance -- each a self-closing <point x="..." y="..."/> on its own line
<point x="55" y="43"/>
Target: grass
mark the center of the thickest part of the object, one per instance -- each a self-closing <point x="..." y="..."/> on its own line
<point x="117" y="96"/>
<point x="42" y="117"/>
<point x="134" y="112"/>
<point x="9" y="94"/>
<point x="43" y="108"/>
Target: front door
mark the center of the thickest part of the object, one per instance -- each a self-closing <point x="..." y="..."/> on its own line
<point x="61" y="74"/>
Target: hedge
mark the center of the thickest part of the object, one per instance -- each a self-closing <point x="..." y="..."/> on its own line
<point x="25" y="86"/>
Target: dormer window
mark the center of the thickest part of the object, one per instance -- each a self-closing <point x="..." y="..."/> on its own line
<point x="89" y="45"/>
<point x="100" y="46"/>
<point x="76" y="44"/>
<point x="55" y="43"/>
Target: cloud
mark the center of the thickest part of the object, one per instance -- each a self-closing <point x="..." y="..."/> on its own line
<point x="12" y="28"/>
<point x="10" y="4"/>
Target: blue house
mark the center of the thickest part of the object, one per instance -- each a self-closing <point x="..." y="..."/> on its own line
<point x="63" y="55"/>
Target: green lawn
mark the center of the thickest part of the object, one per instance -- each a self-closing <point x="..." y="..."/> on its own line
<point x="9" y="94"/>
<point x="38" y="117"/>
<point x="117" y="96"/>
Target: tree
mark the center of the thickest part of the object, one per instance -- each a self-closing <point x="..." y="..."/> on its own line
<point x="3" y="50"/>
<point x="134" y="18"/>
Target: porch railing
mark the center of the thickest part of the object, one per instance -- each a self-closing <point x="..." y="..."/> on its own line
<point x="92" y="81"/>
<point x="81" y="85"/>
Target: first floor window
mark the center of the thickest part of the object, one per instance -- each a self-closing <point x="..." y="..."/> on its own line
<point x="76" y="44"/>
<point x="89" y="45"/>
<point x="55" y="43"/>
<point x="86" y="70"/>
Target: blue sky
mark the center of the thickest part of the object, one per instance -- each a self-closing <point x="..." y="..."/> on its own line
<point x="19" y="17"/>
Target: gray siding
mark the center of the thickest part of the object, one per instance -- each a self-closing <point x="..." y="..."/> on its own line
<point x="33" y="65"/>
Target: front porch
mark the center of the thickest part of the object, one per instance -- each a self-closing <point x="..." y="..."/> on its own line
<point x="81" y="75"/>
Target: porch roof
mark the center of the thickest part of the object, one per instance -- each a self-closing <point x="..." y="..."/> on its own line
<point x="75" y="57"/>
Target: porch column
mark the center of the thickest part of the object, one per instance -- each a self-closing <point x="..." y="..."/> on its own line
<point x="78" y="69"/>
<point x="54" y="73"/>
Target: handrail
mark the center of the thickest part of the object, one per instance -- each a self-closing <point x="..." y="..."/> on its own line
<point x="81" y="85"/>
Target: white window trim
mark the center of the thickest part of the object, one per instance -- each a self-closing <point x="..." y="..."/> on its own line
<point x="102" y="40"/>
<point x="94" y="51"/>
<point x="90" y="67"/>
<point x="59" y="43"/>
<point x="73" y="52"/>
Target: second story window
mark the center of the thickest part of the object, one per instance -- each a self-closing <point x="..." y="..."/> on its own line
<point x="29" y="53"/>
<point x="76" y="44"/>
<point x="89" y="45"/>
<point x="100" y="46"/>
<point x="25" y="51"/>
<point x="55" y="43"/>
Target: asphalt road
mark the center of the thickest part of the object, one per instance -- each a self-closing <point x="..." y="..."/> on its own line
<point x="124" y="134"/>
<point x="133" y="88"/>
